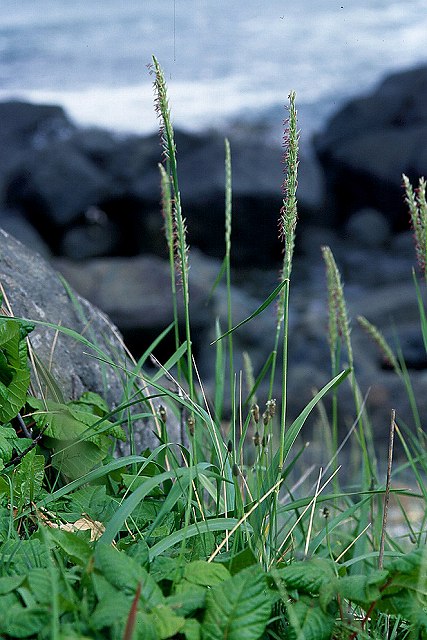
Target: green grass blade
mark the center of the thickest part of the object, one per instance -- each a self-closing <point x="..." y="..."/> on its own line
<point x="129" y="504"/>
<point x="292" y="432"/>
<point x="206" y="526"/>
<point x="253" y="315"/>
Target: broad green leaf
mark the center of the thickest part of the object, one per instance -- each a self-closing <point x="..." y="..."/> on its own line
<point x="6" y="447"/>
<point x="113" y="606"/>
<point x="191" y="629"/>
<point x="10" y="583"/>
<point x="166" y="622"/>
<point x="23" y="622"/>
<point x="14" y="370"/>
<point x="92" y="402"/>
<point x="359" y="589"/>
<point x="307" y="621"/>
<point x="28" y="476"/>
<point x="307" y="576"/>
<point x="74" y="460"/>
<point x="235" y="562"/>
<point x="73" y="546"/>
<point x="410" y="608"/>
<point x="40" y="583"/>
<point x="93" y="500"/>
<point x="125" y="574"/>
<point x="205" y="574"/>
<point x="239" y="608"/>
<point x="188" y="599"/>
<point x="145" y="628"/>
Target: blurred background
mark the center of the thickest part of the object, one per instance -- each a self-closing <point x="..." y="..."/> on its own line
<point x="222" y="60"/>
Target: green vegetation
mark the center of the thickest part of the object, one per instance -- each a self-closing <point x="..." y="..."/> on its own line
<point x="207" y="541"/>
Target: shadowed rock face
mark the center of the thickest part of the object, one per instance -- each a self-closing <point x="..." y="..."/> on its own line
<point x="35" y="291"/>
<point x="371" y="141"/>
<point x="56" y="176"/>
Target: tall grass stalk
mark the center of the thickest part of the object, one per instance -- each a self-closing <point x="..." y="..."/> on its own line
<point x="417" y="205"/>
<point x="228" y="219"/>
<point x="167" y="211"/>
<point x="180" y="231"/>
<point x="287" y="225"/>
<point x="339" y="335"/>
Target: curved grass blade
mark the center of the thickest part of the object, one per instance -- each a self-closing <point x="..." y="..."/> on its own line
<point x="123" y="512"/>
<point x="292" y="432"/>
<point x="257" y="311"/>
<point x="206" y="526"/>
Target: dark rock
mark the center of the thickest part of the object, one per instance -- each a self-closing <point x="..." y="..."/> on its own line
<point x="35" y="291"/>
<point x="369" y="143"/>
<point x="136" y="294"/>
<point x="368" y="228"/>
<point x="24" y="127"/>
<point x="18" y="226"/>
<point x="56" y="185"/>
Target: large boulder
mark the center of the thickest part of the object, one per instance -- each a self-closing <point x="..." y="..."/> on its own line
<point x="24" y="127"/>
<point x="371" y="141"/>
<point x="56" y="175"/>
<point x="34" y="290"/>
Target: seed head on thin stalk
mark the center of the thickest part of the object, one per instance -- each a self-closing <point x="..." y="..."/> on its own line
<point x="381" y="343"/>
<point x="287" y="226"/>
<point x="179" y="229"/>
<point x="338" y="325"/>
<point x="416" y="201"/>
<point x="288" y="212"/>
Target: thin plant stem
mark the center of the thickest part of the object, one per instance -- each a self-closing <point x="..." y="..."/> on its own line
<point x="287" y="225"/>
<point x="169" y="233"/>
<point x="228" y="218"/>
<point x="167" y="136"/>
<point x="387" y="489"/>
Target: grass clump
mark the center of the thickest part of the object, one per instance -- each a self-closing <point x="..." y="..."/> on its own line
<point x="205" y="541"/>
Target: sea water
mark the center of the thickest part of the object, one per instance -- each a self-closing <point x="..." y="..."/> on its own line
<point x="224" y="61"/>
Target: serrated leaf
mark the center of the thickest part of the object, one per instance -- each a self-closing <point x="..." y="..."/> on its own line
<point x="73" y="546"/>
<point x="191" y="629"/>
<point x="10" y="583"/>
<point x="308" y="621"/>
<point x="91" y="402"/>
<point x="113" y="606"/>
<point x="309" y="575"/>
<point x="359" y="589"/>
<point x="23" y="622"/>
<point x="28" y="476"/>
<point x="239" y="608"/>
<point x="188" y="599"/>
<point x="205" y="574"/>
<point x="166" y="622"/>
<point x="40" y="583"/>
<point x="145" y="628"/>
<point x="125" y="574"/>
<point x="14" y="370"/>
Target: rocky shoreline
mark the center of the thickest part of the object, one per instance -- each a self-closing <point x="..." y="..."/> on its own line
<point x="88" y="201"/>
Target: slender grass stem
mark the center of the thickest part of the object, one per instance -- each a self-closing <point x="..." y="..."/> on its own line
<point x="287" y="225"/>
<point x="181" y="247"/>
